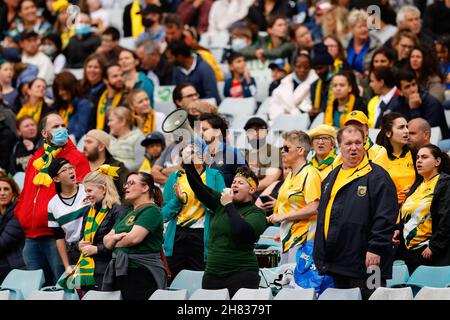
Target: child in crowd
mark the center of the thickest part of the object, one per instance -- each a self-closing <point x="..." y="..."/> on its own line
<point x="241" y="84"/>
<point x="154" y="144"/>
<point x="279" y="71"/>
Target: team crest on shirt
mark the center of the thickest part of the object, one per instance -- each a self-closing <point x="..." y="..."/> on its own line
<point x="130" y="221"/>
<point x="362" y="190"/>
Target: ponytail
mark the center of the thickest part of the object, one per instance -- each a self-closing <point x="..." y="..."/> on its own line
<point x="157" y="196"/>
<point x="153" y="190"/>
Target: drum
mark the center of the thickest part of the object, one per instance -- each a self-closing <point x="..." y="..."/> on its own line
<point x="267" y="258"/>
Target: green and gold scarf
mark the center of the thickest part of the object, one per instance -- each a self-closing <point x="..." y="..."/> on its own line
<point x="42" y="164"/>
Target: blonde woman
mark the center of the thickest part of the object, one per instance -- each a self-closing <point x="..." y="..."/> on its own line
<point x="144" y="117"/>
<point x="125" y="143"/>
<point x="98" y="220"/>
<point x="334" y="22"/>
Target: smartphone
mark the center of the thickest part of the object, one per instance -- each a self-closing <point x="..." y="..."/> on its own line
<point x="265" y="198"/>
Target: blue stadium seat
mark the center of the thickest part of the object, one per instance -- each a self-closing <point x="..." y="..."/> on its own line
<point x="426" y="276"/>
<point x="266" y="240"/>
<point x="400" y="275"/>
<point x="22" y="282"/>
<point x="189" y="280"/>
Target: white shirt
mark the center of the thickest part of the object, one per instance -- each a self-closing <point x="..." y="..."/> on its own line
<point x="44" y="64"/>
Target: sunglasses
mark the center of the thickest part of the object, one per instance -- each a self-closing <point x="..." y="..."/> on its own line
<point x="286" y="148"/>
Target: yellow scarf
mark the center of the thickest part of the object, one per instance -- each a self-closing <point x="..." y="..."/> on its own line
<point x="317" y="95"/>
<point x="149" y="124"/>
<point x="325" y="162"/>
<point x="42" y="164"/>
<point x="146" y="166"/>
<point x="32" y="111"/>
<point x="329" y="112"/>
<point x="371" y="109"/>
<point x="65" y="113"/>
<point x="136" y="19"/>
<point x="102" y="105"/>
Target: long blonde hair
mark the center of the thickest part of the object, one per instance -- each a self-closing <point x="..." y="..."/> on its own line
<point x="103" y="180"/>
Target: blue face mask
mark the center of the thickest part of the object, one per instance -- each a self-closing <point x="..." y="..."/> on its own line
<point x="238" y="44"/>
<point x="59" y="137"/>
<point x="296" y="79"/>
<point x="82" y="29"/>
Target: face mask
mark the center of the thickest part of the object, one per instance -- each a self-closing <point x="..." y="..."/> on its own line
<point x="296" y="79"/>
<point x="147" y="23"/>
<point x="49" y="50"/>
<point x="82" y="29"/>
<point x="238" y="44"/>
<point x="59" y="137"/>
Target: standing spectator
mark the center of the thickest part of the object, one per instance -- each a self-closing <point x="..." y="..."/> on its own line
<point x="92" y="85"/>
<point x="224" y="13"/>
<point x="424" y="214"/>
<point x="154" y="64"/>
<point x="408" y="17"/>
<point x="40" y="247"/>
<point x="393" y="136"/>
<point x="192" y="68"/>
<point x="82" y="44"/>
<point x="151" y="20"/>
<point x="144" y="116"/>
<point x="195" y="13"/>
<point x="356" y="219"/>
<point x="419" y="134"/>
<point x="137" y="239"/>
<point x="132" y="18"/>
<point x="9" y="94"/>
<point x="425" y="65"/>
<point x="35" y="106"/>
<point x="11" y="234"/>
<point x="74" y="110"/>
<point x="32" y="55"/>
<point x="241" y="84"/>
<point x="26" y="145"/>
<point x="28" y="20"/>
<point x="323" y="139"/>
<point x="133" y="78"/>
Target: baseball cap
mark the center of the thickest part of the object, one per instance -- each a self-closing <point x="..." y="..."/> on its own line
<point x="278" y="64"/>
<point x="255" y="121"/>
<point x="323" y="129"/>
<point x="358" y="116"/>
<point x="153" y="137"/>
<point x="56" y="165"/>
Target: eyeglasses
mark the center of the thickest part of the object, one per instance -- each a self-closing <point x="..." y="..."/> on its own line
<point x="323" y="139"/>
<point x="286" y="148"/>
<point x="68" y="168"/>
<point x="190" y="96"/>
<point x="129" y="184"/>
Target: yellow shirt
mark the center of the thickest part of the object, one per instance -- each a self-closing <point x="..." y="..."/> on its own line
<point x="401" y="169"/>
<point x="416" y="216"/>
<point x="344" y="177"/>
<point x="209" y="58"/>
<point x="371" y="110"/>
<point x="192" y="211"/>
<point x="295" y="193"/>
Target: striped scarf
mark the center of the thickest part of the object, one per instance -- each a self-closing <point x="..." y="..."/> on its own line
<point x="83" y="273"/>
<point x="65" y="113"/>
<point x="325" y="162"/>
<point x="32" y="111"/>
<point x="102" y="105"/>
<point x="149" y="123"/>
<point x="41" y="164"/>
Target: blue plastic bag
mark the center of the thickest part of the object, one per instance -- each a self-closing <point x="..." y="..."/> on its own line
<point x="306" y="274"/>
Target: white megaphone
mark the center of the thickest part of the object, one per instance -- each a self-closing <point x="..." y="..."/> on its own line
<point x="177" y="123"/>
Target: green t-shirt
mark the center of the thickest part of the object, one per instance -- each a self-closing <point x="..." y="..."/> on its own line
<point x="150" y="218"/>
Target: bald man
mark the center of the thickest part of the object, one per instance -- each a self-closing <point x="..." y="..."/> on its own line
<point x="419" y="133"/>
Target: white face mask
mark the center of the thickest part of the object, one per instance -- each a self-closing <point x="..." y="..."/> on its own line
<point x="238" y="44"/>
<point x="49" y="50"/>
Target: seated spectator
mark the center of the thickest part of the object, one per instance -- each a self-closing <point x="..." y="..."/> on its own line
<point x="198" y="107"/>
<point x="82" y="44"/>
<point x="424" y="213"/>
<point x="323" y="139"/>
<point x="419" y="134"/>
<point x="92" y="85"/>
<point x="28" y="20"/>
<point x="224" y="13"/>
<point x="337" y="51"/>
<point x="361" y="45"/>
<point x="241" y="37"/>
<point x="393" y="136"/>
<point x="192" y="68"/>
<point x="11" y="234"/>
<point x="7" y="134"/>
<point x="145" y="118"/>
<point x="8" y="14"/>
<point x="168" y="162"/>
<point x="263" y="158"/>
<point x="241" y="84"/>
<point x="133" y="78"/>
<point x="125" y="140"/>
<point x="408" y="17"/>
<point x="52" y="48"/>
<point x="346" y="99"/>
<point x="35" y="106"/>
<point x="382" y="82"/>
<point x="173" y="27"/>
<point x="302" y="38"/>
<point x="27" y="144"/>
<point x="110" y="98"/>
<point x="195" y="13"/>
<point x="279" y="71"/>
<point x="425" y="65"/>
<point x="334" y="22"/>
<point x="442" y="49"/>
<point x="293" y="95"/>
<point x="154" y="144"/>
<point x="74" y="110"/>
<point x="413" y="102"/>
<point x="9" y="94"/>
<point x="109" y="46"/>
<point x="154" y="64"/>
<point x="151" y="20"/>
<point x="403" y="42"/>
<point x="99" y="16"/>
<point x="263" y="10"/>
<point x="184" y="94"/>
<point x="274" y="45"/>
<point x="32" y="55"/>
<point x="387" y="29"/>
<point x="70" y="196"/>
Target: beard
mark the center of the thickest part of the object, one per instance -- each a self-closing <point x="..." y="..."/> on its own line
<point x="92" y="156"/>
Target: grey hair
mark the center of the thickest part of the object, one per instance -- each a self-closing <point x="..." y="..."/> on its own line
<point x="300" y="138"/>
<point x="149" y="46"/>
<point x="355" y="15"/>
<point x="401" y="14"/>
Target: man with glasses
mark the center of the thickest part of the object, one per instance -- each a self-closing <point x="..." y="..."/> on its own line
<point x="356" y="219"/>
<point x="184" y="94"/>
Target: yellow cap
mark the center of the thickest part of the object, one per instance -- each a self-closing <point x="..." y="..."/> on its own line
<point x="357" y="116"/>
<point x="60" y="5"/>
<point x="323" y="129"/>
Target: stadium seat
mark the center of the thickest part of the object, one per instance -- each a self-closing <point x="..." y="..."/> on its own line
<point x="46" y="295"/>
<point x="373" y="133"/>
<point x="264" y="108"/>
<point x="287" y="122"/>
<point x="426" y="276"/>
<point x="427" y="293"/>
<point x="70" y="294"/>
<point x="262" y="88"/>
<point x="318" y="120"/>
<point x="78" y="73"/>
<point x="296" y="294"/>
<point x="220" y="86"/>
<point x="102" y="295"/>
<point x="266" y="239"/>
<point x="169" y="295"/>
<point x="116" y="18"/>
<point x="189" y="280"/>
<point x="253" y="294"/>
<point x="128" y="43"/>
<point x="22" y="282"/>
<point x="392" y="294"/>
<point x="238" y="106"/>
<point x="447" y="117"/>
<point x="400" y="275"/>
<point x="204" y="294"/>
<point x="5" y="295"/>
<point x="436" y="135"/>
<point x="19" y="178"/>
<point x="398" y="262"/>
<point x="341" y="294"/>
